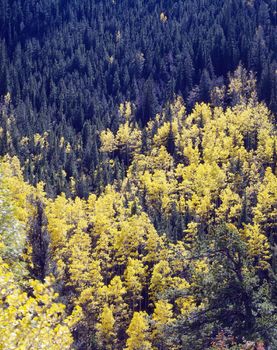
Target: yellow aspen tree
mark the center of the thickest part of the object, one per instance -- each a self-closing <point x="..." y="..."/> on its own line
<point x="257" y="244"/>
<point x="231" y="206"/>
<point x="114" y="295"/>
<point x="130" y="237"/>
<point x="105" y="329"/>
<point x="129" y="138"/>
<point x="58" y="225"/>
<point x="108" y="141"/>
<point x="153" y="245"/>
<point x="135" y="275"/>
<point x="160" y="279"/>
<point x="12" y="180"/>
<point x="125" y="109"/>
<point x="162" y="316"/>
<point x="84" y="272"/>
<point x="138" y="333"/>
<point x="265" y="212"/>
<point x="37" y="321"/>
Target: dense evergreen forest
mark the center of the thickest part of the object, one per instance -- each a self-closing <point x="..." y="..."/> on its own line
<point x="69" y="64"/>
<point x="138" y="187"/>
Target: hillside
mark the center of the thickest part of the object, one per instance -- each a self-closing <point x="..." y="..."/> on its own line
<point x="179" y="254"/>
<point x="69" y="64"/>
<point x="138" y="163"/>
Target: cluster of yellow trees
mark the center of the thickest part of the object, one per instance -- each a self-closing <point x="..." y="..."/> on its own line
<point x="31" y="316"/>
<point x="115" y="279"/>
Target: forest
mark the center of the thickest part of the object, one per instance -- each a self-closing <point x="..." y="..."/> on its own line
<point x="179" y="254"/>
<point x="69" y="64"/>
<point x="138" y="187"/>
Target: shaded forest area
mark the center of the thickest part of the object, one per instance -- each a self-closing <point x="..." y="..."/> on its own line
<point x="68" y="65"/>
